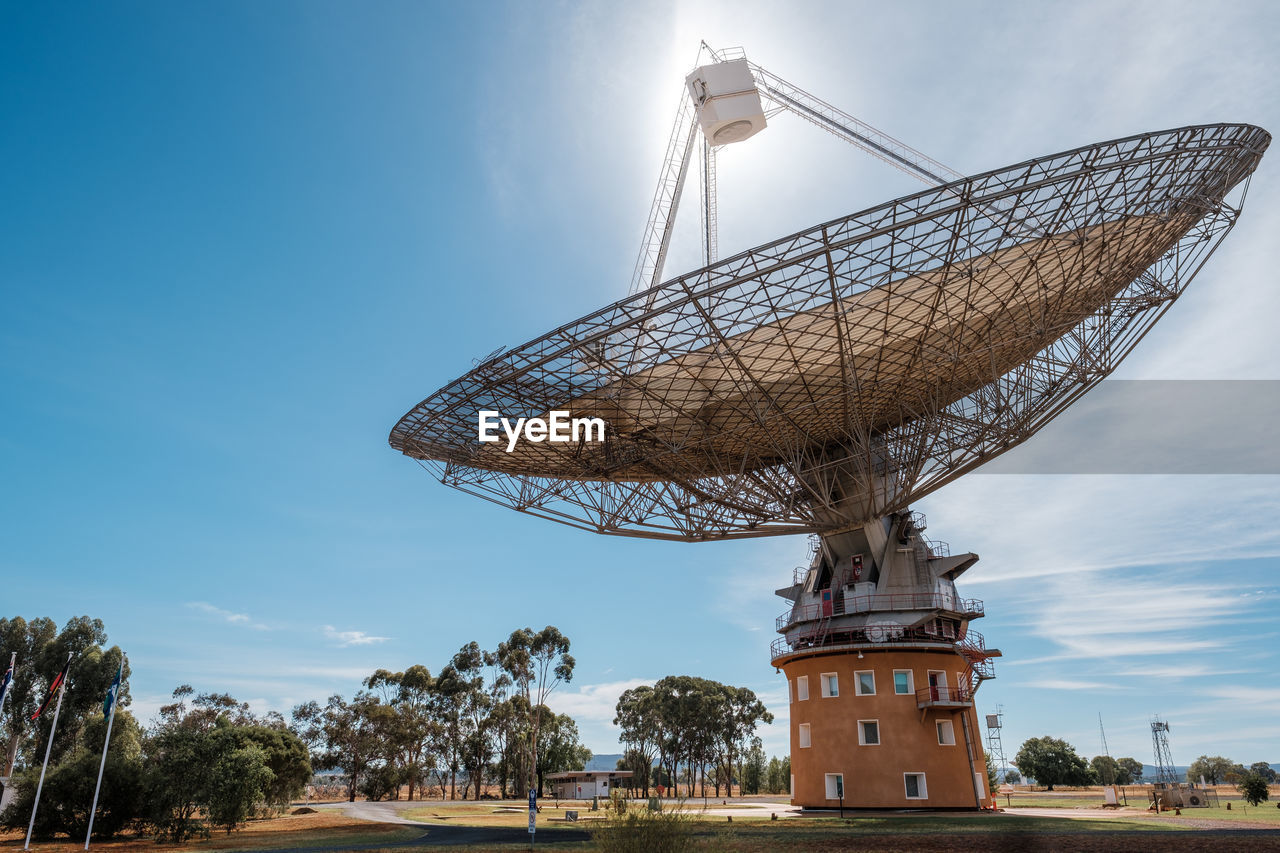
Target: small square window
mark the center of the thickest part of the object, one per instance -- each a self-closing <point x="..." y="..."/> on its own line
<point x="946" y="733"/>
<point x="866" y="682"/>
<point x="830" y="685"/>
<point x="835" y="786"/>
<point x="802" y="688"/>
<point x="803" y="736"/>
<point x="869" y="732"/>
<point x="902" y="682"/>
<point x="916" y="789"/>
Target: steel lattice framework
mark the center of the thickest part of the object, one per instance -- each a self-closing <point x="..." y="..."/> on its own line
<point x="836" y="375"/>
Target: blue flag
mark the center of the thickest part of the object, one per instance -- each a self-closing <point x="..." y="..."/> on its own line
<point x="5" y="685"/>
<point x="114" y="692"/>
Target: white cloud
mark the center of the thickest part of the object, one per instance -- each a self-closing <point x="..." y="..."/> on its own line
<point x="352" y="638"/>
<point x="595" y="703"/>
<point x="227" y="615"/>
<point x="1036" y="526"/>
<point x="1240" y="695"/>
<point x="1065" y="684"/>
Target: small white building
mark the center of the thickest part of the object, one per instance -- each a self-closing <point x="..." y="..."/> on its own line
<point x="585" y="784"/>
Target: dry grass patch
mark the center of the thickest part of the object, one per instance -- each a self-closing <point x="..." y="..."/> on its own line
<point x="322" y="829"/>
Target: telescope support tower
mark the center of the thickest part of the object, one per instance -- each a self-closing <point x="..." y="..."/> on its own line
<point x="881" y="669"/>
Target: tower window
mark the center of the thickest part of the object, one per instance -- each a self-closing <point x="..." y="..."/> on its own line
<point x="866" y="682"/>
<point x="803" y="736"/>
<point x="869" y="732"/>
<point x="902" y="682"/>
<point x="835" y="786"/>
<point x="802" y="688"/>
<point x="830" y="685"/>
<point x="946" y="733"/>
<point x="916" y="789"/>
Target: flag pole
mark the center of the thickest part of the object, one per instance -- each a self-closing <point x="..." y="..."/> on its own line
<point x="115" y="700"/>
<point x="62" y="689"/>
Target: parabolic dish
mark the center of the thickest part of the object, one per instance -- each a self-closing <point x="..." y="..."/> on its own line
<point x="838" y="374"/>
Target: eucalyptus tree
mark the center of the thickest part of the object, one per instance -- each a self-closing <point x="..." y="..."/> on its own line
<point x="411" y="733"/>
<point x="447" y="698"/>
<point x="741" y="713"/>
<point x="636" y="714"/>
<point x="341" y="734"/>
<point x="475" y="703"/>
<point x="537" y="663"/>
<point x="42" y="652"/>
<point x="560" y="747"/>
<point x="507" y="720"/>
<point x="752" y="771"/>
<point x="690" y="721"/>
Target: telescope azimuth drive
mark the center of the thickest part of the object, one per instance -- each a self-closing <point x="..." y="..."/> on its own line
<point x="822" y="382"/>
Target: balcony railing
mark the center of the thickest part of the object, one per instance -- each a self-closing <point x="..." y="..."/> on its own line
<point x="937" y="548"/>
<point x="968" y="607"/>
<point x="943" y="696"/>
<point x="810" y="640"/>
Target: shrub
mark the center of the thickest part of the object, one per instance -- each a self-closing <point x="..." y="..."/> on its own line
<point x="68" y="794"/>
<point x="381" y="783"/>
<point x="643" y="831"/>
<point x="1253" y="787"/>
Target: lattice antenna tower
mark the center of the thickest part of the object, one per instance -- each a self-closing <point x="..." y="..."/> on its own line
<point x="1164" y="758"/>
<point x="995" y="746"/>
<point x="1105" y="750"/>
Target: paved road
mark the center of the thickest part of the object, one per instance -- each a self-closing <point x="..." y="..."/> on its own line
<point x="391" y="812"/>
<point x="376" y="812"/>
<point x="443" y="835"/>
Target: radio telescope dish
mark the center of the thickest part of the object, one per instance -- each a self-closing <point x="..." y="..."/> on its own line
<point x="837" y="374"/>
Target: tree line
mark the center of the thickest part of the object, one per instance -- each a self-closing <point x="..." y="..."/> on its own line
<point x="688" y="729"/>
<point x="205" y="763"/>
<point x="481" y="718"/>
<point x="1217" y="770"/>
<point x="1052" y="761"/>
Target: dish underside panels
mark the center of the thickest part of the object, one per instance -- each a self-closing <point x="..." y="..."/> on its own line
<point x="840" y="373"/>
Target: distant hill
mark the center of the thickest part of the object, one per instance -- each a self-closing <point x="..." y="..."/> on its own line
<point x="604" y="762"/>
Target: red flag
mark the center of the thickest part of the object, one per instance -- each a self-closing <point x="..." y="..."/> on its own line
<point x="53" y="689"/>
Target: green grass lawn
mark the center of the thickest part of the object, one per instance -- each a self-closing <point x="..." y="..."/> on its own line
<point x="976" y="825"/>
<point x="1241" y="811"/>
<point x="1065" y="800"/>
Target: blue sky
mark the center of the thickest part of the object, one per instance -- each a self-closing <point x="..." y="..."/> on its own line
<point x="239" y="240"/>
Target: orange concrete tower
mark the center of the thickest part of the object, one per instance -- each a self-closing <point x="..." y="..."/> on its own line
<point x="881" y="670"/>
